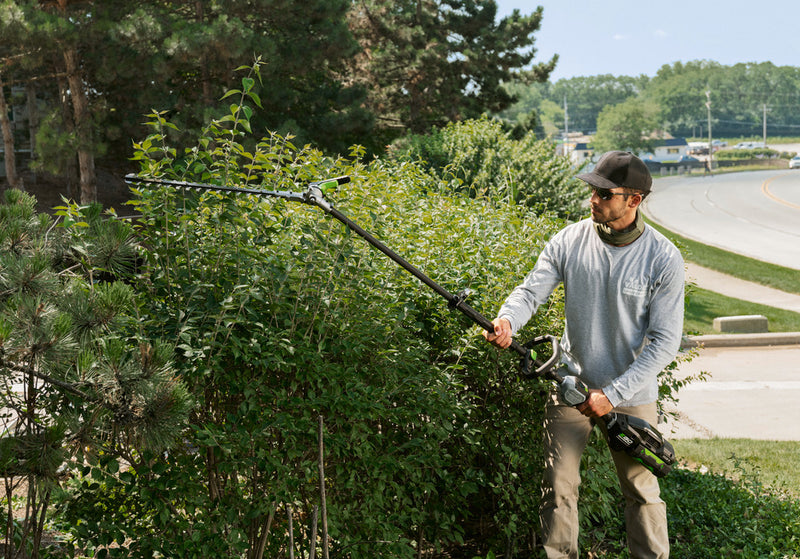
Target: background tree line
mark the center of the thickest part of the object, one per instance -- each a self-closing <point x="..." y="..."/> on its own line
<point x="335" y="72"/>
<point x="672" y="101"/>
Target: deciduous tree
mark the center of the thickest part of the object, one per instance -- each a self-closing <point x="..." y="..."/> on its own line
<point x="627" y="126"/>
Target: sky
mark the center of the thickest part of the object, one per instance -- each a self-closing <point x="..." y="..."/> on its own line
<point x="633" y="37"/>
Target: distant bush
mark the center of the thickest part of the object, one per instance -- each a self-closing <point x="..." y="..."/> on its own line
<point x="758" y="153"/>
<point x="479" y="158"/>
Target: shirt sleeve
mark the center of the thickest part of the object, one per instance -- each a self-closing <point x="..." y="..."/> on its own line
<point x="523" y="301"/>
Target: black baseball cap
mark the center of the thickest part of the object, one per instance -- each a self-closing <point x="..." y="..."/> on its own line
<point x="619" y="169"/>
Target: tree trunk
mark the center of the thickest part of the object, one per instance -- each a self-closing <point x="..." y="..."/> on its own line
<point x="83" y="127"/>
<point x="33" y="118"/>
<point x="205" y="76"/>
<point x="71" y="164"/>
<point x="8" y="143"/>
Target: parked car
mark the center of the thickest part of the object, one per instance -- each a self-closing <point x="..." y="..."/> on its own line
<point x="794" y="162"/>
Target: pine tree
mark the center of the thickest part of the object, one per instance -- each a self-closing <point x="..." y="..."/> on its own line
<point x="101" y="66"/>
<point x="77" y="383"/>
<point x="428" y="62"/>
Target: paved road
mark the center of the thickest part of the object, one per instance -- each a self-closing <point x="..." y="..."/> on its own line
<point x="752" y="391"/>
<point x="756" y="214"/>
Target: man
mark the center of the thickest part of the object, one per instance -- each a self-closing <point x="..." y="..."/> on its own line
<point x="623" y="284"/>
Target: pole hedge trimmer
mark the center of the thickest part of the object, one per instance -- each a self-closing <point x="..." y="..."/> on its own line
<point x="629" y="434"/>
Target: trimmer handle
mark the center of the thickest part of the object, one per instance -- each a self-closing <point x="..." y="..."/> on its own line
<point x="528" y="361"/>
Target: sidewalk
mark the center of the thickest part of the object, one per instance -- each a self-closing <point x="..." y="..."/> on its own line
<point x="752" y="393"/>
<point x="754" y="382"/>
<point x="746" y="291"/>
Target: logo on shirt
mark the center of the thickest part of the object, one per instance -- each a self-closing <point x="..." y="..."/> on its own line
<point x="635" y="288"/>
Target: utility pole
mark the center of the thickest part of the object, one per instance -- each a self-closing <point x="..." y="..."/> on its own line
<point x="765" y="125"/>
<point x="566" y="127"/>
<point x="708" y="108"/>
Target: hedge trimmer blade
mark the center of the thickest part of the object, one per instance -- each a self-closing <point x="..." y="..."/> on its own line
<point x="314" y="193"/>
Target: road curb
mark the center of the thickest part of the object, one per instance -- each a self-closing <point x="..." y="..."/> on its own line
<point x="741" y="340"/>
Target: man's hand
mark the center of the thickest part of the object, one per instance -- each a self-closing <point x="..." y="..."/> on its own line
<point x="501" y="337"/>
<point x="596" y="405"/>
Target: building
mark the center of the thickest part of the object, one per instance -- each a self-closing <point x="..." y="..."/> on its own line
<point x="581" y="153"/>
<point x="669" y="149"/>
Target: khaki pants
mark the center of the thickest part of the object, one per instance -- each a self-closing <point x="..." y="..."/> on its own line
<point x="566" y="435"/>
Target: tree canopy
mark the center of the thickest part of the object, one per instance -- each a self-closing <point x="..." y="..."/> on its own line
<point x="742" y="97"/>
<point x="333" y="72"/>
<point x="627" y="126"/>
<point x="437" y="61"/>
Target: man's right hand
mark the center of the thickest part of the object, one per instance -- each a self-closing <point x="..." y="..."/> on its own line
<point x="501" y="337"/>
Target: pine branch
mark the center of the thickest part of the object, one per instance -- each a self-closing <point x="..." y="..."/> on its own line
<point x="48" y="379"/>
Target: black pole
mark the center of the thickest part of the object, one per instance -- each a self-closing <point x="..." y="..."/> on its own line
<point x="452" y="300"/>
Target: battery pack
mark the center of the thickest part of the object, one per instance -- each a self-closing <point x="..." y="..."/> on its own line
<point x="641" y="441"/>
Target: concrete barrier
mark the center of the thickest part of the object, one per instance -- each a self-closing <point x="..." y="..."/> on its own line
<point x="742" y="340"/>
<point x="745" y="324"/>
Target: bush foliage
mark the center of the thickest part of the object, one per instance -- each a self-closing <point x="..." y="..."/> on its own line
<point x="755" y="153"/>
<point x="711" y="515"/>
<point x="281" y="317"/>
<point x="481" y="159"/>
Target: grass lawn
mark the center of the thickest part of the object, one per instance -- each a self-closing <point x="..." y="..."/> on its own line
<point x="703" y="306"/>
<point x="776" y="464"/>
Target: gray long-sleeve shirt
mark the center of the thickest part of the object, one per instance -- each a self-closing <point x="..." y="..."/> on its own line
<point x="623" y="307"/>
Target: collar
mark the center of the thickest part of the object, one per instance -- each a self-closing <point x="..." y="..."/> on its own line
<point x="624" y="237"/>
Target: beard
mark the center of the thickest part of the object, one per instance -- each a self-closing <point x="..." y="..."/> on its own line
<point x="608" y="215"/>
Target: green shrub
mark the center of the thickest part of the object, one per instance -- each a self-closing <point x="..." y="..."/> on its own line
<point x="756" y="153"/>
<point x="709" y="514"/>
<point x="280" y="316"/>
<point x="479" y="158"/>
<point x="712" y="516"/>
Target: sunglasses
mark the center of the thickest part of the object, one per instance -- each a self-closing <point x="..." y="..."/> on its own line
<point x="605" y="194"/>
